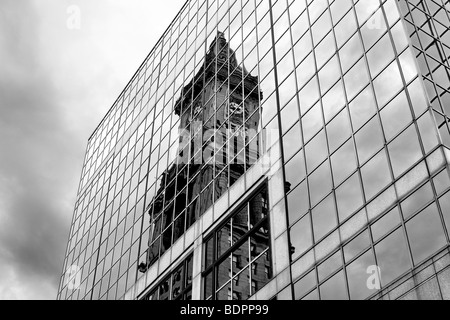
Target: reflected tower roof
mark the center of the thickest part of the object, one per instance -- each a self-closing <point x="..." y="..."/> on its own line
<point x="221" y="61"/>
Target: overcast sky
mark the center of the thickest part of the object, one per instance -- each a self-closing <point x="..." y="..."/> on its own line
<point x="56" y="84"/>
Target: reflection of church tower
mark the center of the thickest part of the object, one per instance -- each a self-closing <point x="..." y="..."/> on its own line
<point x="219" y="115"/>
<point x="248" y="274"/>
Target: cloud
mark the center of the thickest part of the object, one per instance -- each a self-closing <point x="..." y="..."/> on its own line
<point x="56" y="85"/>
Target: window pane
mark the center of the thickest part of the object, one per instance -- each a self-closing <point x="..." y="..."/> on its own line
<point x="343" y="162"/>
<point x="349" y="197"/>
<point x="392" y="257"/>
<point x="376" y="175"/>
<point x="357" y="276"/>
<point x="334" y="289"/>
<point x="301" y="237"/>
<point x="404" y="151"/>
<point x="324" y="218"/>
<point x="425" y="234"/>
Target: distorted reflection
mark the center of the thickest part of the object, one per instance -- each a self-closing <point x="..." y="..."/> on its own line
<point x="240" y="263"/>
<point x="219" y="120"/>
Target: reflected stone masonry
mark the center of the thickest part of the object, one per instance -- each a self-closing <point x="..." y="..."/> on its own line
<point x="274" y="149"/>
<point x="216" y="144"/>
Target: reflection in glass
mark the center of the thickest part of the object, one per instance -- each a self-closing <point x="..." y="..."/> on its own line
<point x="324" y="217"/>
<point x="241" y="285"/>
<point x="349" y="197"/>
<point x="375" y="175"/>
<point x="330" y="265"/>
<point x="417" y="201"/>
<point x="261" y="272"/>
<point x="357" y="276"/>
<point x="316" y="151"/>
<point x="392" y="256"/>
<point x="395" y="116"/>
<point x="334" y="289"/>
<point x="338" y="130"/>
<point x="369" y="140"/>
<point x="220" y="81"/>
<point x="298" y="202"/>
<point x="425" y="234"/>
<point x="301" y="237"/>
<point x="404" y="151"/>
<point x="385" y="224"/>
<point x="247" y="265"/>
<point x="343" y="162"/>
<point x="320" y="183"/>
<point x="356" y="246"/>
<point x="305" y="285"/>
<point x="362" y="108"/>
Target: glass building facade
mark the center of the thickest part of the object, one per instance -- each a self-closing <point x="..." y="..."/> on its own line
<point x="274" y="149"/>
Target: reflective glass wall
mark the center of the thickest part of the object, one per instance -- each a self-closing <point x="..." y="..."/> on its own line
<point x="352" y="94"/>
<point x="364" y="197"/>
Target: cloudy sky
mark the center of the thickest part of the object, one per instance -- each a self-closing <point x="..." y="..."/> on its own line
<point x="56" y="83"/>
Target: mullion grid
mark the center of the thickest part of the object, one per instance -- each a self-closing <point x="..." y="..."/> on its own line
<point x="327" y="160"/>
<point x="134" y="87"/>
<point x="228" y="254"/>
<point x="414" y="121"/>
<point x="154" y="294"/>
<point x="436" y="96"/>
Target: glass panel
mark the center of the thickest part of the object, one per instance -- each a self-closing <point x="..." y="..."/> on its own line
<point x="417" y="201"/>
<point x="404" y="151"/>
<point x="395" y="116"/>
<point x="393" y="257"/>
<point x="177" y="282"/>
<point x="223" y="273"/>
<point x="312" y="122"/>
<point x="240" y="224"/>
<point x="241" y="257"/>
<point x="316" y="151"/>
<point x="358" y="277"/>
<point x="305" y="285"/>
<point x="330" y="265"/>
<point x="164" y="290"/>
<point x="301" y="237"/>
<point x="356" y="246"/>
<point x="241" y="285"/>
<point x="225" y="293"/>
<point x="333" y="101"/>
<point x="356" y="79"/>
<point x="343" y="162"/>
<point x="292" y="142"/>
<point x="258" y="208"/>
<point x="362" y="108"/>
<point x="298" y="202"/>
<point x="334" y="289"/>
<point x="387" y="84"/>
<point x="444" y="203"/>
<point x="385" y="224"/>
<point x="295" y="169"/>
<point x="380" y="55"/>
<point x="208" y="285"/>
<point x="425" y="234"/>
<point x="320" y="183"/>
<point x="223" y="239"/>
<point x="369" y="140"/>
<point x="339" y="130"/>
<point x="261" y="272"/>
<point x="349" y="197"/>
<point x="324" y="217"/>
<point x="376" y="175"/>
